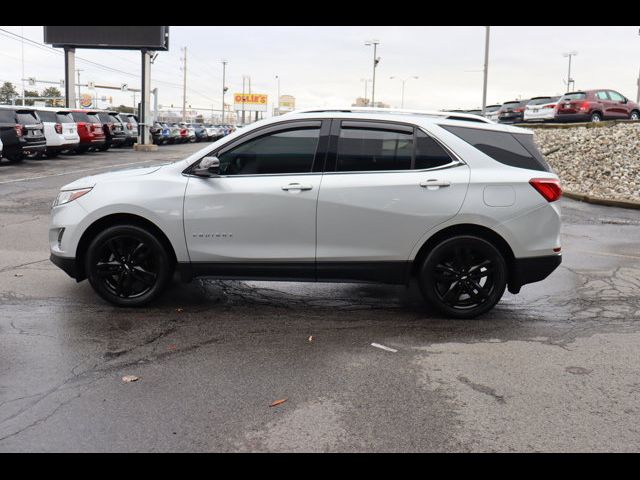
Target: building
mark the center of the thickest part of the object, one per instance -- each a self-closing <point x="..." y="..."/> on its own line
<point x="365" y="102"/>
<point x="287" y="104"/>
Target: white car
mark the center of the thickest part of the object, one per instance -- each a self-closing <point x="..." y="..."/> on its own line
<point x="541" y="109"/>
<point x="465" y="207"/>
<point x="60" y="130"/>
<point x="491" y="112"/>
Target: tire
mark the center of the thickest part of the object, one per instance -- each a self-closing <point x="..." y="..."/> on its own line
<point x="596" y="117"/>
<point x="635" y="115"/>
<point x="127" y="265"/>
<point x="15" y="157"/>
<point x="463" y="276"/>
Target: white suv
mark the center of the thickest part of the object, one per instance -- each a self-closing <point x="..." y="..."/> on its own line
<point x="60" y="130"/>
<point x="464" y="206"/>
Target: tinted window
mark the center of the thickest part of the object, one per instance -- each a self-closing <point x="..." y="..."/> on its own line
<point x="114" y="119"/>
<point x="64" y="118"/>
<point x="362" y="149"/>
<point x="8" y="116"/>
<point x="602" y="95"/>
<point x="615" y="96"/>
<point x="540" y="101"/>
<point x="510" y="104"/>
<point x="515" y="150"/>
<point x="290" y="151"/>
<point x="80" y="117"/>
<point x="429" y="154"/>
<point x="47" y="116"/>
<point x="93" y="118"/>
<point x="27" y="118"/>
<point x="104" y="117"/>
<point x="573" y="96"/>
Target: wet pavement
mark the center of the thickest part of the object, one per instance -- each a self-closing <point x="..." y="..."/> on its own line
<point x="553" y="368"/>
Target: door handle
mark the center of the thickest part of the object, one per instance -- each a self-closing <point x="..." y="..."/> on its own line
<point x="297" y="186"/>
<point x="433" y="182"/>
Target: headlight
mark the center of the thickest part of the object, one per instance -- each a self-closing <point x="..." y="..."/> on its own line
<point x="67" y="196"/>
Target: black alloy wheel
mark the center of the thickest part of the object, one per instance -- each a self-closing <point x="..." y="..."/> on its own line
<point x="463" y="276"/>
<point x="127" y="265"/>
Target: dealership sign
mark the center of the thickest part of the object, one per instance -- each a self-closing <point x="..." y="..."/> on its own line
<point x="250" y="102"/>
<point x="86" y="100"/>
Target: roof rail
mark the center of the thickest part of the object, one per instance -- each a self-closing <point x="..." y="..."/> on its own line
<point x="430" y="113"/>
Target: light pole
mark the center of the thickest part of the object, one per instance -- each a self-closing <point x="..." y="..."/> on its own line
<point x="638" y="94"/>
<point x="569" y="79"/>
<point x="366" y="84"/>
<point x="403" y="80"/>
<point x="376" y="60"/>
<point x="224" y="86"/>
<point x="486" y="69"/>
<point x="278" y="99"/>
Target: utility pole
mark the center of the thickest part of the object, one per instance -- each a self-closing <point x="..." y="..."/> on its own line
<point x="486" y="69"/>
<point x="569" y="79"/>
<point x="278" y="99"/>
<point x="224" y="86"/>
<point x="184" y="84"/>
<point x="22" y="47"/>
<point x="376" y="60"/>
<point x="638" y="94"/>
<point x="403" y="80"/>
<point x="243" y="80"/>
<point x="78" y="72"/>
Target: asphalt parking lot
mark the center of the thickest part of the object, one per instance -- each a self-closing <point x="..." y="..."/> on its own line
<point x="552" y="369"/>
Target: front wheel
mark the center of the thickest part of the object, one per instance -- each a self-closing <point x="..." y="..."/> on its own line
<point x="635" y="115"/>
<point x="463" y="277"/>
<point x="127" y="265"/>
<point x="596" y="117"/>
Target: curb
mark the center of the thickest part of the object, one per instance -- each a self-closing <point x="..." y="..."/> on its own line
<point x="602" y="201"/>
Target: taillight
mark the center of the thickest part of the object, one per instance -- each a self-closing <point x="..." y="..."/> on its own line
<point x="519" y="110"/>
<point x="549" y="106"/>
<point x="19" y="130"/>
<point x="584" y="106"/>
<point x="58" y="128"/>
<point x="549" y="188"/>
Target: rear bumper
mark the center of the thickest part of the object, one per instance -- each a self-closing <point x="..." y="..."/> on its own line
<point x="573" y="117"/>
<point x="68" y="265"/>
<point x="530" y="270"/>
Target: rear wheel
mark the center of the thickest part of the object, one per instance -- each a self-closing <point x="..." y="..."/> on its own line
<point x="635" y="115"/>
<point x="15" y="157"/>
<point x="127" y="265"/>
<point x="463" y="276"/>
<point x="596" y="117"/>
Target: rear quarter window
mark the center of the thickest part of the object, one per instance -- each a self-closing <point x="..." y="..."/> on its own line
<point x="513" y="149"/>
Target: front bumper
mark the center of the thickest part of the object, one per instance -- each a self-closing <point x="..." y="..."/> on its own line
<point x="530" y="270"/>
<point x="68" y="265"/>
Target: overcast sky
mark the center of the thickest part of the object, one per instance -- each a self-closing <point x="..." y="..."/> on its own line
<point x="324" y="66"/>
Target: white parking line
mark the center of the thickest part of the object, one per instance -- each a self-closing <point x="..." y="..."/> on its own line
<point x="388" y="349"/>
<point x="26" y="179"/>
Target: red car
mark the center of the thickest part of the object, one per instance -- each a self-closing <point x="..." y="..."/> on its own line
<point x="594" y="106"/>
<point x="90" y="130"/>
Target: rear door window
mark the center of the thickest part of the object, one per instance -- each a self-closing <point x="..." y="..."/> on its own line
<point x="93" y="118"/>
<point x="362" y="149"/>
<point x="515" y="150"/>
<point x="602" y="95"/>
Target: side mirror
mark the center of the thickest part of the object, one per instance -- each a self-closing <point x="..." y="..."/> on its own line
<point x="208" y="167"/>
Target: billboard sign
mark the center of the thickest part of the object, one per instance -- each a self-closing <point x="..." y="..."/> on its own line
<point x="144" y="37"/>
<point x="86" y="100"/>
<point x="250" y="102"/>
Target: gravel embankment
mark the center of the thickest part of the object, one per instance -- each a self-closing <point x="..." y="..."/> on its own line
<point x="603" y="162"/>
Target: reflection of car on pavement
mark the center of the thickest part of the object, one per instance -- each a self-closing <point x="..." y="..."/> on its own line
<point x="463" y="207"/>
